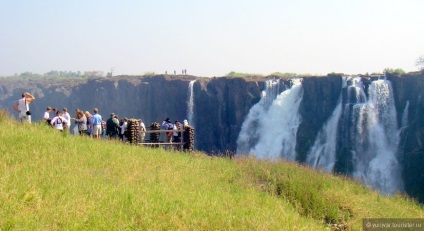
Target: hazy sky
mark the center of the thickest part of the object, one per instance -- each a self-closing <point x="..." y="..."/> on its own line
<point x="210" y="37"/>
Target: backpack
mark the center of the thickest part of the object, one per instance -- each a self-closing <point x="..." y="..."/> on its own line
<point x="170" y="127"/>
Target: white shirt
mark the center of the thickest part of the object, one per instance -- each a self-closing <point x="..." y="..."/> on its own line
<point x="67" y="116"/>
<point x="46" y="115"/>
<point x="23" y="106"/>
<point x="142" y="127"/>
<point x="123" y="128"/>
<point x="58" y="121"/>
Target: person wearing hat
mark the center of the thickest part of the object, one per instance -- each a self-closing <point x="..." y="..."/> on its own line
<point x="112" y="125"/>
<point x="167" y="125"/>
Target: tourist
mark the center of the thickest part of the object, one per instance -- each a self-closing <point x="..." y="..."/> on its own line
<point x="103" y="129"/>
<point x="81" y="122"/>
<point x="22" y="107"/>
<point x="177" y="135"/>
<point x="46" y="116"/>
<point x="89" y="122"/>
<point x="112" y="126"/>
<point x="59" y="122"/>
<point x="167" y="125"/>
<point x="123" y="129"/>
<point x="142" y="129"/>
<point x="67" y="117"/>
<point x="97" y="124"/>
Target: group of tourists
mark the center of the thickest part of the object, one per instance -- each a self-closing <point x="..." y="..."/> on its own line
<point x="93" y="125"/>
<point x="173" y="135"/>
<point x="85" y="122"/>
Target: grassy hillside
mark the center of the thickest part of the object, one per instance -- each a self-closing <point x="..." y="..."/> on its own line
<point x="53" y="181"/>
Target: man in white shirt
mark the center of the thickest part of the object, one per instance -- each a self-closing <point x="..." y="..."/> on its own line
<point x="66" y="115"/>
<point x="22" y="107"/>
<point x="46" y="116"/>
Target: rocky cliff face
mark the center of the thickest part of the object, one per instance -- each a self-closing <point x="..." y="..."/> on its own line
<point x="220" y="107"/>
<point x="409" y="90"/>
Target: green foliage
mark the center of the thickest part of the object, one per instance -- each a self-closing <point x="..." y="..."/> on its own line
<point x="28" y="74"/>
<point x="149" y="73"/>
<point x="394" y="71"/>
<point x="242" y="75"/>
<point x="420" y="63"/>
<point x="285" y="74"/>
<point x="70" y="74"/>
<point x="53" y="181"/>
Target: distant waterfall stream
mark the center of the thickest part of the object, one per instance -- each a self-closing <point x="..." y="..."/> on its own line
<point x="190" y="103"/>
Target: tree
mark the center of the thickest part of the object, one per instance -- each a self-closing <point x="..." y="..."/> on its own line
<point x="394" y="71"/>
<point x="110" y="74"/>
<point x="420" y="63"/>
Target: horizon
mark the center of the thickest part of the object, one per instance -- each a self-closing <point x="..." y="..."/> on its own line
<point x="210" y="38"/>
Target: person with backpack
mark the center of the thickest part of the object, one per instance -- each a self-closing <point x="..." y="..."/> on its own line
<point x="167" y="125"/>
<point x="22" y="107"/>
<point x="59" y="122"/>
<point x="112" y="127"/>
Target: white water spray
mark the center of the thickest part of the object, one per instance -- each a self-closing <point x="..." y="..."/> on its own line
<point x="249" y="134"/>
<point x="323" y="153"/>
<point x="276" y="126"/>
<point x="376" y="140"/>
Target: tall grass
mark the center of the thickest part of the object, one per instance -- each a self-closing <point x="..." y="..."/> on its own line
<point x="54" y="181"/>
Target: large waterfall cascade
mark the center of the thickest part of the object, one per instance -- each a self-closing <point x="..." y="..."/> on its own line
<point x="376" y="139"/>
<point x="363" y="123"/>
<point x="368" y="128"/>
<point x="270" y="128"/>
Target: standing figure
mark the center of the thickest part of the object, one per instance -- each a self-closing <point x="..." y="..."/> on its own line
<point x="81" y="122"/>
<point x="97" y="124"/>
<point x="46" y="116"/>
<point x="177" y="135"/>
<point x="112" y="125"/>
<point x="68" y="118"/>
<point x="167" y="125"/>
<point x="124" y="129"/>
<point x="58" y="121"/>
<point x="89" y="123"/>
<point x="142" y="129"/>
<point x="22" y="107"/>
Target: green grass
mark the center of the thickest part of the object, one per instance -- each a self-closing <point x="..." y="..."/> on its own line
<point x="53" y="181"/>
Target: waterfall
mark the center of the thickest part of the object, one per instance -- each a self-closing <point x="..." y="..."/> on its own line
<point x="190" y="103"/>
<point x="405" y="117"/>
<point x="249" y="134"/>
<point x="362" y="131"/>
<point x="375" y="139"/>
<point x="323" y="153"/>
<point x="273" y="130"/>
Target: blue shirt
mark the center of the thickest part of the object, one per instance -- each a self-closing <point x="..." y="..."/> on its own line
<point x="97" y="119"/>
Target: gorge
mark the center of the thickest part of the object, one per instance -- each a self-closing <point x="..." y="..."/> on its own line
<point x="367" y="127"/>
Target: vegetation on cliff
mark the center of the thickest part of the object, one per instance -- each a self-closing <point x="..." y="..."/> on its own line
<point x="51" y="180"/>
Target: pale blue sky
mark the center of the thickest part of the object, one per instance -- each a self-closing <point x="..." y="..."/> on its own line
<point x="210" y="38"/>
